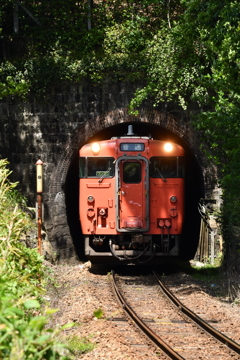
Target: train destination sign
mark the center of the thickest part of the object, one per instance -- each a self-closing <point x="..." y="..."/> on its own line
<point x="132" y="147"/>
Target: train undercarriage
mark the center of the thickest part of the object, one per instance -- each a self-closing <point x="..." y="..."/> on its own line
<point x="131" y="248"/>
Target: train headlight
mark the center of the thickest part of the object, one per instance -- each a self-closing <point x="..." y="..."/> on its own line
<point x="90" y="199"/>
<point x="168" y="147"/>
<point x="173" y="199"/>
<point x="95" y="148"/>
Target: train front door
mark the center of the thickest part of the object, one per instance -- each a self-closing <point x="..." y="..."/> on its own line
<point x="133" y="189"/>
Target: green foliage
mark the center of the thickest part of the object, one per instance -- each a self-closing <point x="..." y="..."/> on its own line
<point x="22" y="335"/>
<point x="23" y="332"/>
<point x="198" y="59"/>
<point x="13" y="81"/>
<point x="79" y="345"/>
<point x="167" y="78"/>
<point x="98" y="313"/>
<point x="216" y="28"/>
<point x="55" y="44"/>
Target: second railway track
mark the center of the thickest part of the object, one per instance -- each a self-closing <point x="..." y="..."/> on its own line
<point x="179" y="337"/>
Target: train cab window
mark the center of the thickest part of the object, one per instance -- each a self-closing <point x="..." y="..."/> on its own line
<point x="131" y="172"/>
<point x="181" y="166"/>
<point x="96" y="167"/>
<point x="166" y="166"/>
<point x="82" y="167"/>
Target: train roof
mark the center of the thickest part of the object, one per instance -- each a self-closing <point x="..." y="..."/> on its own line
<point x="131" y="135"/>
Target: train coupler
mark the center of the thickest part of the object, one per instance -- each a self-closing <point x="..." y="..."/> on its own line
<point x="98" y="240"/>
<point x="131" y="258"/>
<point x="140" y="239"/>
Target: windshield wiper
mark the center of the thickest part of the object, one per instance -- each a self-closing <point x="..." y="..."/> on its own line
<point x="104" y="175"/>
<point x="160" y="174"/>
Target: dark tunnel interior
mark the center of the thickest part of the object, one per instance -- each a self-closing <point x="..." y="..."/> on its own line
<point x="194" y="188"/>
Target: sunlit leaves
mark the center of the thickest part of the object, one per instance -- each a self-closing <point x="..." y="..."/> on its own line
<point x="63" y="48"/>
<point x="23" y="332"/>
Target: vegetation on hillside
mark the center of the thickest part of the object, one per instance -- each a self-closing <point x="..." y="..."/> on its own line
<point x="184" y="50"/>
<point x="23" y="315"/>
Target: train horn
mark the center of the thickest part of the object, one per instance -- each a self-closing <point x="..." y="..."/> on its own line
<point x="130" y="130"/>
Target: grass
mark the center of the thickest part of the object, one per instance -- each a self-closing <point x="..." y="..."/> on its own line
<point x="79" y="345"/>
<point x="98" y="313"/>
<point x="205" y="272"/>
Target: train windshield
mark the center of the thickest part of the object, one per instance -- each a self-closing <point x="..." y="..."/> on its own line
<point x="166" y="166"/>
<point x="96" y="167"/>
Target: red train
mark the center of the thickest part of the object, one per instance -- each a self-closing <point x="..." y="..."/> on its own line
<point x="131" y="199"/>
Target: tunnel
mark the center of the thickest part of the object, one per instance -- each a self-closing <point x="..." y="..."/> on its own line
<point x="194" y="184"/>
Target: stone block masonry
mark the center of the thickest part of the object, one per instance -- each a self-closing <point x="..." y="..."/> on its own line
<point x="53" y="129"/>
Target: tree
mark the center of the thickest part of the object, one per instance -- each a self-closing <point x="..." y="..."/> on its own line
<point x="185" y="50"/>
<point x="54" y="41"/>
<point x="198" y="60"/>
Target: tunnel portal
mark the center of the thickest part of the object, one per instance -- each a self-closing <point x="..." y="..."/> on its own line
<point x="194" y="179"/>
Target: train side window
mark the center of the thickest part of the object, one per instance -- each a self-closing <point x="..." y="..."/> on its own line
<point x="100" y="167"/>
<point x="131" y="172"/>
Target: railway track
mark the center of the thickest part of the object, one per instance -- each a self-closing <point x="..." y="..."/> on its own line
<point x="171" y="326"/>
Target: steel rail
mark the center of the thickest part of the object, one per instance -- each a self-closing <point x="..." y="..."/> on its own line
<point x="147" y="331"/>
<point x="203" y="324"/>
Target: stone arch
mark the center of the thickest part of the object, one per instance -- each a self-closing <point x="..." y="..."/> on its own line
<point x="57" y="224"/>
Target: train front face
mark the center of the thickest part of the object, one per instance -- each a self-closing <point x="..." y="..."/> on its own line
<point x="131" y="200"/>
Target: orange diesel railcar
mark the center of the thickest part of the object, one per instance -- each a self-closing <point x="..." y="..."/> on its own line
<point x="131" y="199"/>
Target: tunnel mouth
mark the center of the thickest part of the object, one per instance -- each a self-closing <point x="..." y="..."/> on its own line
<point x="194" y="188"/>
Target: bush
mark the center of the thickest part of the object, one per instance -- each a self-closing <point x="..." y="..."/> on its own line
<point x="23" y="332"/>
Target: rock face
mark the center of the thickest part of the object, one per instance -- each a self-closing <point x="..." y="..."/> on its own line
<point x="54" y="128"/>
